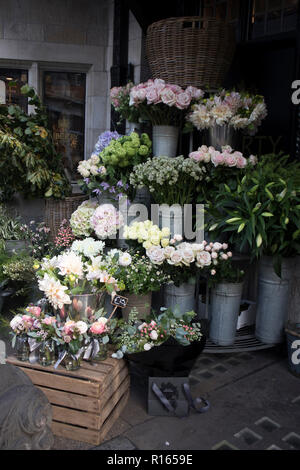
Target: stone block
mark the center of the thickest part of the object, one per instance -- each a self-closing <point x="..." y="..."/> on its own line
<point x="65" y="34"/>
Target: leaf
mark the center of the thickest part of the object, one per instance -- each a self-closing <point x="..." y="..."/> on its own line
<point x="105" y="339"/>
<point x="234" y="219"/>
<point x="267" y="214"/>
<point x="259" y="240"/>
<point x="241" y="227"/>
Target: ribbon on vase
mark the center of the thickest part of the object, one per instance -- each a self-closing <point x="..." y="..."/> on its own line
<point x="60" y="358"/>
<point x="92" y="349"/>
<point x="34" y="346"/>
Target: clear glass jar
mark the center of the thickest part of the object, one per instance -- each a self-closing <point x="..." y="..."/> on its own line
<point x="102" y="353"/>
<point x="71" y="362"/>
<point x="22" y="348"/>
<point x="47" y="353"/>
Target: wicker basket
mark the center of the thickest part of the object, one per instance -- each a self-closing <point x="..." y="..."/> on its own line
<point x="190" y="50"/>
<point x="58" y="210"/>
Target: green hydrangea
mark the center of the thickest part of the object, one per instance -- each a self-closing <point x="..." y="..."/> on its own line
<point x="80" y="219"/>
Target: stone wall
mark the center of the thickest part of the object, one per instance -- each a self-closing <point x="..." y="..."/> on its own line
<point x="70" y="35"/>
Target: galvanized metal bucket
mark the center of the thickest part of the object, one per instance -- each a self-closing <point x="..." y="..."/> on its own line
<point x="165" y="141"/>
<point x="219" y="136"/>
<point x="224" y="312"/>
<point x="183" y="296"/>
<point x="273" y="301"/>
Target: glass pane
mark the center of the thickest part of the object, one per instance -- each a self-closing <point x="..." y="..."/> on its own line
<point x="64" y="96"/>
<point x="274" y="22"/>
<point x="259" y="6"/>
<point x="258" y="28"/>
<point x="274" y="4"/>
<point x="14" y="79"/>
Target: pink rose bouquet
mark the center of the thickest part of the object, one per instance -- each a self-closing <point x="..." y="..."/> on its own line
<point x="162" y="103"/>
<point x="225" y="165"/>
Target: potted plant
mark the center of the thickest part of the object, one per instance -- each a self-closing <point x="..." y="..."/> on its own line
<point x="166" y="345"/>
<point x="263" y="213"/>
<point x="226" y="284"/>
<point x="30" y="165"/>
<point x="74" y="282"/>
<point x="139" y="278"/>
<point x="226" y="112"/>
<point x="13" y="231"/>
<point x="164" y="105"/>
<point x="20" y="277"/>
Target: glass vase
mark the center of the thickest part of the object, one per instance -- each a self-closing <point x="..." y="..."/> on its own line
<point x="71" y="362"/>
<point x="22" y="348"/>
<point x="47" y="354"/>
<point x="102" y="353"/>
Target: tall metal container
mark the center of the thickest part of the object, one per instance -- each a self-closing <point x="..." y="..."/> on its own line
<point x="225" y="307"/>
<point x="273" y="300"/>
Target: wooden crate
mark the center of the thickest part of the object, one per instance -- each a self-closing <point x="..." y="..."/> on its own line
<point x="85" y="403"/>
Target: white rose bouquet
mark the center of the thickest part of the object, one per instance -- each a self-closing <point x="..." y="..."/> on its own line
<point x="147" y="234"/>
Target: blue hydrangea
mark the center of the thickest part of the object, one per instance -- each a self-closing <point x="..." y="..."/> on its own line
<point x="104" y="140"/>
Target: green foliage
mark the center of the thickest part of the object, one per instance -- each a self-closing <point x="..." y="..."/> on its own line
<point x="263" y="211"/>
<point x="29" y="162"/>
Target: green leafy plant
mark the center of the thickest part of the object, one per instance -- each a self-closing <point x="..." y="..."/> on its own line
<point x="11" y="226"/>
<point x="263" y="211"/>
<point x="19" y="272"/>
<point x="29" y="162"/>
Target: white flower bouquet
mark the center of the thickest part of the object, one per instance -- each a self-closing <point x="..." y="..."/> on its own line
<point x="80" y="270"/>
<point x="239" y="110"/>
<point x="170" y="180"/>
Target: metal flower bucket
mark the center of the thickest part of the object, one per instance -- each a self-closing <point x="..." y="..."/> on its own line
<point x="165" y="141"/>
<point x="225" y="307"/>
<point x="273" y="301"/>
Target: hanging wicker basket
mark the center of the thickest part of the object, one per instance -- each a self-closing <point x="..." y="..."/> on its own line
<point x="190" y="50"/>
<point x="58" y="210"/>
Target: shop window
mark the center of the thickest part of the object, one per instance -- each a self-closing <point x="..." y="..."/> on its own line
<point x="224" y="9"/>
<point x="13" y="80"/>
<point x="272" y="17"/>
<point x="64" y="97"/>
